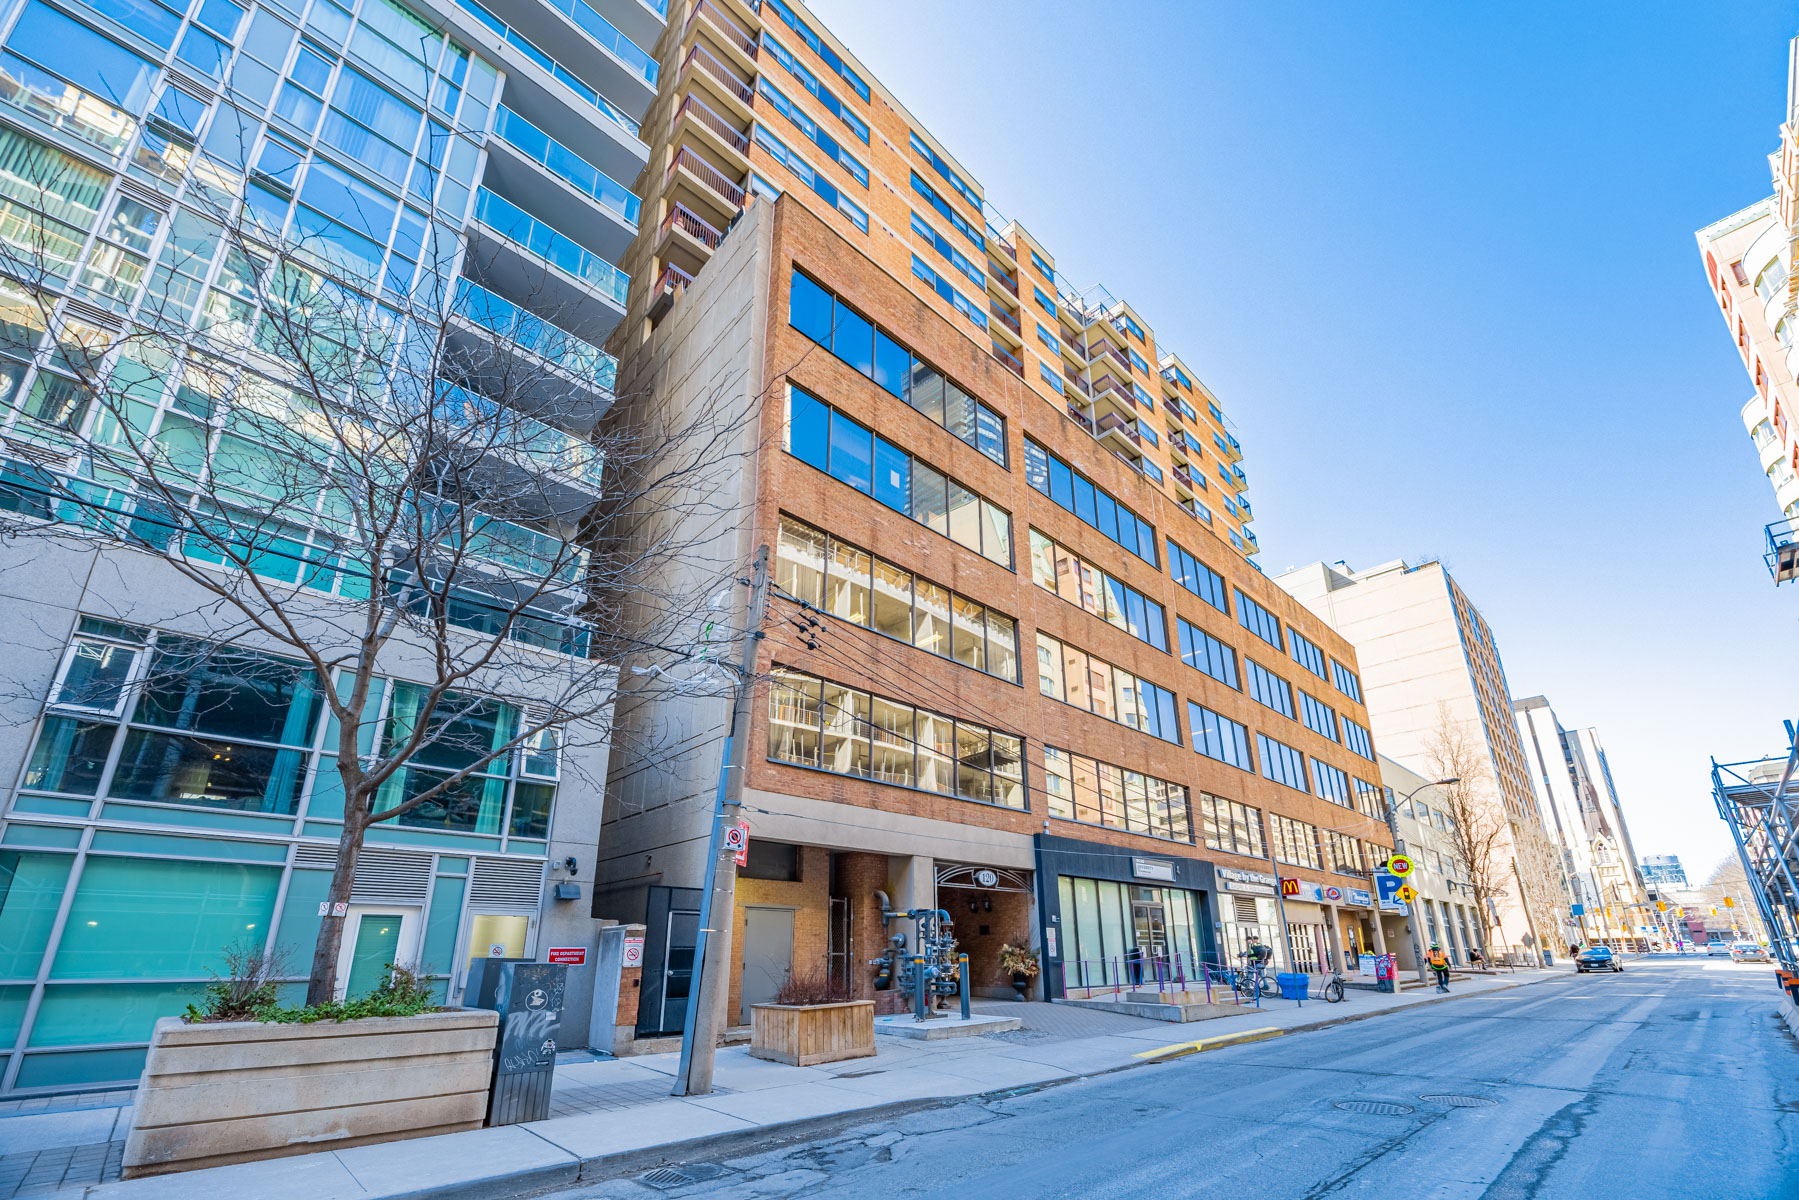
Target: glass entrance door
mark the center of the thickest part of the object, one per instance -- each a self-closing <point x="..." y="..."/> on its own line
<point x="1152" y="930"/>
<point x="376" y="938"/>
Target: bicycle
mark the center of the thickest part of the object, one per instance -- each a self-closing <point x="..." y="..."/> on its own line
<point x="1252" y="979"/>
<point x="1333" y="991"/>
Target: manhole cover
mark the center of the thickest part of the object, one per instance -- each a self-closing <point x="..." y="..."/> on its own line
<point x="1460" y="1101"/>
<point x="1374" y="1108"/>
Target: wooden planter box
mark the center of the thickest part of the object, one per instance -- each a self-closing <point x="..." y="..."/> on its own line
<point x="803" y="1035"/>
<point x="236" y="1091"/>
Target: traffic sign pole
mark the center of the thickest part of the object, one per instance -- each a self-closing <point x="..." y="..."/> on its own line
<point x="1411" y="917"/>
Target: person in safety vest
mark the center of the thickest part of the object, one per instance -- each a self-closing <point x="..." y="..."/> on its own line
<point x="1439" y="962"/>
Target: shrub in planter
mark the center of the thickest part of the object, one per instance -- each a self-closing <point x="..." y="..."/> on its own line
<point x="240" y="1078"/>
<point x="1020" y="962"/>
<point x="812" y="1020"/>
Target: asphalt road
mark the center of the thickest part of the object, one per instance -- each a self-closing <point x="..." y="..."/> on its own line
<point x="1674" y="1078"/>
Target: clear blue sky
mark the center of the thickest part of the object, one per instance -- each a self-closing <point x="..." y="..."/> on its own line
<point x="1437" y="262"/>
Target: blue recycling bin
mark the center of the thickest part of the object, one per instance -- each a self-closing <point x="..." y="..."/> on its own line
<point x="1294" y="985"/>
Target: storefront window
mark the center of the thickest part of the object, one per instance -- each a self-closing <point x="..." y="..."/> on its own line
<point x="1125" y="934"/>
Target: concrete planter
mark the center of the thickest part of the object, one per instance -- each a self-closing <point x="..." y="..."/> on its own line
<point x="236" y="1091"/>
<point x="803" y="1035"/>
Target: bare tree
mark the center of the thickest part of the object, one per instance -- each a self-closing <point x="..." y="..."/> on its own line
<point x="1478" y="827"/>
<point x="347" y="484"/>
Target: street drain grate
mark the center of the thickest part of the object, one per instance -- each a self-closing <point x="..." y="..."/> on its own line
<point x="1460" y="1101"/>
<point x="666" y="1178"/>
<point x="1374" y="1108"/>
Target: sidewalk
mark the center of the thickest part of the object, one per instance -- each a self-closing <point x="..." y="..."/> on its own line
<point x="610" y="1116"/>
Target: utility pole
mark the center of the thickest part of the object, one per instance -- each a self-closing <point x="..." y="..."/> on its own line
<point x="718" y="902"/>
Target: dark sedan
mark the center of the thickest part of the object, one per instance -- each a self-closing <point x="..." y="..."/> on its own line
<point x="1597" y="958"/>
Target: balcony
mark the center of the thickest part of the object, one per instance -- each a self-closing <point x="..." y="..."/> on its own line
<point x="1184" y="478"/>
<point x="1111" y="395"/>
<point x="1104" y="351"/>
<point x="667" y="289"/>
<point x="1112" y="425"/>
<point x="1081" y="418"/>
<point x="704" y="67"/>
<point x="1783" y="549"/>
<point x="1234" y="451"/>
<point x="701" y="120"/>
<point x="514" y="254"/>
<point x="566" y="466"/>
<point x="592" y="47"/>
<point x="728" y="33"/>
<point x="562" y="187"/>
<point x="1008" y="282"/>
<point x="500" y="348"/>
<point x="705" y="180"/>
<point x="686" y="235"/>
<point x="1006" y="319"/>
<point x="1009" y="359"/>
<point x="571" y="79"/>
<point x="1077" y="383"/>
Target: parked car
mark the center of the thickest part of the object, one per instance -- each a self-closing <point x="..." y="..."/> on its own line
<point x="1747" y="952"/>
<point x="1717" y="949"/>
<point x="1597" y="958"/>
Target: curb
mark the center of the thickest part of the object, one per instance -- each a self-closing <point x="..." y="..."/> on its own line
<point x="574" y="1172"/>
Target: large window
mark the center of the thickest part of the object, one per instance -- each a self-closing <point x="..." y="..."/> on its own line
<point x="804" y="171"/>
<point x="1217" y="736"/>
<point x="1097" y="793"/>
<point x="874" y="352"/>
<point x="217" y="726"/>
<point x="1333" y="784"/>
<point x="1370" y="800"/>
<point x="1268" y="689"/>
<point x="845" y="449"/>
<point x="806" y="125"/>
<point x="1282" y="763"/>
<point x="1057" y="569"/>
<point x="1197" y="578"/>
<point x="974" y="311"/>
<point x="1320" y="717"/>
<point x="1075" y="677"/>
<point x="828" y="727"/>
<point x="1356" y="738"/>
<point x="1343" y="854"/>
<point x="1079" y="495"/>
<point x="1305" y="652"/>
<point x="1346" y="681"/>
<point x="1204" y="652"/>
<point x="1231" y="827"/>
<point x="1258" y="620"/>
<point x="1294" y="842"/>
<point x="836" y="577"/>
<point x="824" y="95"/>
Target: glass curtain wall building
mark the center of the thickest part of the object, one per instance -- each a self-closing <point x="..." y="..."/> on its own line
<point x="457" y="167"/>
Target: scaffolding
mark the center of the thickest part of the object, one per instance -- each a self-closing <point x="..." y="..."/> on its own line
<point x="1760" y="802"/>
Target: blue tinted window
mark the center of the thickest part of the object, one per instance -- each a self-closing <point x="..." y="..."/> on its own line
<point x="854" y="340"/>
<point x="1203" y="652"/>
<point x="1217" y="736"/>
<point x="1146" y="539"/>
<point x="1061" y="484"/>
<point x="1258" y="620"/>
<point x="851" y="452"/>
<point x="1133" y="611"/>
<point x="82" y="56"/>
<point x="1036" y="466"/>
<point x="1127" y="535"/>
<point x="991" y="433"/>
<point x="1084" y="504"/>
<point x="808" y="429"/>
<point x="1108" y="516"/>
<point x="1268" y="689"/>
<point x="893" y="366"/>
<point x="893" y="476"/>
<point x="1158" y="625"/>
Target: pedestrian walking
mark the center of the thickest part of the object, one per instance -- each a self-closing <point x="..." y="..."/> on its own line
<point x="1439" y="962"/>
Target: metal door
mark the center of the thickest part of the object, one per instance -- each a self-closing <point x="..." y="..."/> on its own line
<point x="767" y="955"/>
<point x="671" y="927"/>
<point x="376" y="938"/>
<point x="1152" y="929"/>
<point x="840" y="947"/>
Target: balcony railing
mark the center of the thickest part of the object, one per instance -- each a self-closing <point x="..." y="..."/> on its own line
<point x="1009" y="282"/>
<point x="1081" y="418"/>
<point x="1010" y="359"/>
<point x="1110" y="384"/>
<point x="606" y="34"/>
<point x="694" y="225"/>
<point x="733" y="32"/>
<point x="566" y="165"/>
<point x="515" y="224"/>
<point x="708" y="116"/>
<point x="510" y="432"/>
<point x="556" y="346"/>
<point x="1181" y="473"/>
<point x="726" y="77"/>
<point x="1113" y="423"/>
<point x="1006" y="319"/>
<point x="1079" y="384"/>
<point x="707" y="174"/>
<point x="568" y="78"/>
<point x="1783" y="549"/>
<point x="673" y="277"/>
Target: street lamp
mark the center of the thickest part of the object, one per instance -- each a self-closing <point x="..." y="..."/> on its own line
<point x="1399" y="848"/>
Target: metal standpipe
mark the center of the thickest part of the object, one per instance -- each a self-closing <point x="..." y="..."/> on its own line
<point x="920" y="1001"/>
<point x="962" y="970"/>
